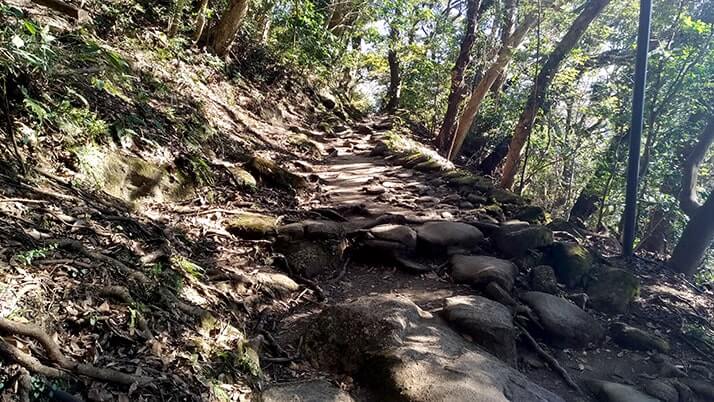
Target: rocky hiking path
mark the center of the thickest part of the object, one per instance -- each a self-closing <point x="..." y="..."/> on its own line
<point x="432" y="285"/>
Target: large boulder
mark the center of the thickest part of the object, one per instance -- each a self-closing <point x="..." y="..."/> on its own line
<point x="310" y="257"/>
<point x="441" y="235"/>
<point x="563" y="322"/>
<point x="309" y="391"/>
<point x="404" y="353"/>
<point x="479" y="270"/>
<point x="488" y="323"/>
<point x="635" y="338"/>
<point x="613" y="290"/>
<point x="571" y="262"/>
<point x="514" y="240"/>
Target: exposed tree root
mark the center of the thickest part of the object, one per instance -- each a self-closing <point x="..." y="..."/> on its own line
<point x="551" y="360"/>
<point x="77" y="247"/>
<point x="55" y="355"/>
<point x="24" y="385"/>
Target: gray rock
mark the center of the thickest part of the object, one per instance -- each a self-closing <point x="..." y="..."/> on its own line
<point x="397" y="233"/>
<point x="406" y="354"/>
<point x="613" y="290"/>
<point x="637" y="339"/>
<point x="662" y="390"/>
<point x="564" y="322"/>
<point x="606" y="391"/>
<point x="494" y="291"/>
<point x="375" y="190"/>
<point x="452" y="199"/>
<point x="323" y="229"/>
<point x="381" y="149"/>
<point x="515" y="240"/>
<point x="542" y="279"/>
<point x="488" y="323"/>
<point x="502" y="196"/>
<point x="480" y="270"/>
<point x="530" y="213"/>
<point x="310" y="391"/>
<point x="439" y="236"/>
<point x="466" y="205"/>
<point x="476" y="199"/>
<point x="571" y="262"/>
<point x="310" y="257"/>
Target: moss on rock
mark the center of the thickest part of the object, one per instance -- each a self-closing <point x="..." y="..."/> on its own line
<point x="613" y="290"/>
<point x="571" y="262"/>
<point x="276" y="175"/>
<point x="251" y="226"/>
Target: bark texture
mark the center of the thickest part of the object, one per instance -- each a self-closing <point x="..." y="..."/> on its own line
<point x="222" y="35"/>
<point x="699" y="232"/>
<point x="458" y="88"/>
<point x="395" y="75"/>
<point x="525" y="124"/>
<point x="477" y="96"/>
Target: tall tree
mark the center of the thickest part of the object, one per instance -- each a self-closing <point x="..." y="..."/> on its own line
<point x="479" y="93"/>
<point x="221" y="36"/>
<point x="525" y="124"/>
<point x="395" y="76"/>
<point x="458" y="88"/>
<point x="699" y="232"/>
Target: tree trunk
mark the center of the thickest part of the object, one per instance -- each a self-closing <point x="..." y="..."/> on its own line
<point x="200" y="21"/>
<point x="688" y="196"/>
<point x="658" y="230"/>
<point x="471" y="110"/>
<point x="699" y="232"/>
<point x="506" y="29"/>
<point x="490" y="163"/>
<point x="222" y="35"/>
<point x="535" y="101"/>
<point x="395" y="76"/>
<point x="695" y="241"/>
<point x="457" y="75"/>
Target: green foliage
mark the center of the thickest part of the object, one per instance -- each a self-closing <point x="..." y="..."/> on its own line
<point x="26" y="257"/>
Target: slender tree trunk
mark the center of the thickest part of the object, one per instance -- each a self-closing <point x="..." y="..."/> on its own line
<point x="222" y="35"/>
<point x="200" y="21"/>
<point x="175" y="18"/>
<point x="458" y="87"/>
<point x="506" y="30"/>
<point x="658" y="230"/>
<point x="688" y="201"/>
<point x="699" y="232"/>
<point x="395" y="75"/>
<point x="535" y="101"/>
<point x="479" y="93"/>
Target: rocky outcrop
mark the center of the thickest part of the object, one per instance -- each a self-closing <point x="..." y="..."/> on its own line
<point x="405" y="353"/>
<point x="489" y="324"/>
<point x="563" y="322"/>
<point x="613" y="290"/>
<point x="479" y="271"/>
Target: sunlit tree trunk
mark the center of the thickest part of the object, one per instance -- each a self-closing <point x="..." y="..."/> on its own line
<point x="699" y="232"/>
<point x="535" y="101"/>
<point x="222" y="35"/>
<point x="395" y="76"/>
<point x="479" y="93"/>
<point x="458" y="87"/>
<point x="200" y="21"/>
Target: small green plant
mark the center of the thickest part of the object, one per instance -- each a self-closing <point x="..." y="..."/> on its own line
<point x="26" y="257"/>
<point x="187" y="266"/>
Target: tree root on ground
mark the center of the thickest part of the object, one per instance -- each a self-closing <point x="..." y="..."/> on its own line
<point x="54" y="353"/>
<point x="552" y="362"/>
<point x="77" y="247"/>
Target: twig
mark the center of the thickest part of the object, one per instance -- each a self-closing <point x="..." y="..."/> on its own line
<point x="550" y="359"/>
<point x="22" y="200"/>
<point x="55" y="354"/>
